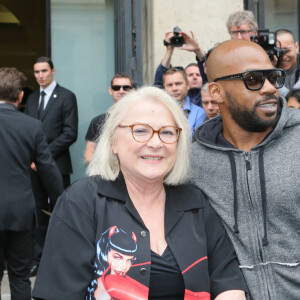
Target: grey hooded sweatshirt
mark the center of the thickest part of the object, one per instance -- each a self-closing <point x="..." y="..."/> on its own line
<point x="257" y="196"/>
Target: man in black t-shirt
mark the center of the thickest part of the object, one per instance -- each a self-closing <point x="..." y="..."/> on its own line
<point x="121" y="85"/>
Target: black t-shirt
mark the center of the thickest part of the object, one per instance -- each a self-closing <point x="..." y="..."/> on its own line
<point x="95" y="128"/>
<point x="166" y="280"/>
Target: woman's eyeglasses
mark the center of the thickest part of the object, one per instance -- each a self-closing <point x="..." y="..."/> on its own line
<point x="125" y="88"/>
<point x="143" y="133"/>
<point x="254" y="80"/>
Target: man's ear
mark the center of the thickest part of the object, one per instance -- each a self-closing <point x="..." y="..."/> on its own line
<point x="215" y="92"/>
<point x="53" y="72"/>
<point x="297" y="46"/>
<point x="110" y="91"/>
<point x="19" y="100"/>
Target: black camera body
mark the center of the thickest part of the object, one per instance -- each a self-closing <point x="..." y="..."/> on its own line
<point x="267" y="40"/>
<point x="177" y="40"/>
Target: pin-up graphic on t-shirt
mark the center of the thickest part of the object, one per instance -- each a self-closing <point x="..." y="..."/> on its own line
<point x="116" y="252"/>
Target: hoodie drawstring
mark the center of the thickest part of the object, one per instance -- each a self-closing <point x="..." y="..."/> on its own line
<point x="262" y="180"/>
<point x="235" y="202"/>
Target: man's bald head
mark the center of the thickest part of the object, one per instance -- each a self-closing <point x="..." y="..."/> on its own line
<point x="231" y="57"/>
<point x="243" y="108"/>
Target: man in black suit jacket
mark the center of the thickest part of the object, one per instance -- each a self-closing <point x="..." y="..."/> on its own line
<point x="22" y="142"/>
<point x="59" y="115"/>
<point x="57" y="110"/>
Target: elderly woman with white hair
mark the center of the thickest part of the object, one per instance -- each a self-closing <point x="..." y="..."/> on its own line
<point x="133" y="229"/>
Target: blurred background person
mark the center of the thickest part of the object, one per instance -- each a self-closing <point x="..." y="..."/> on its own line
<point x="120" y="85"/>
<point x="209" y="105"/>
<point x="22" y="142"/>
<point x="290" y="61"/>
<point x="293" y="99"/>
<point x="56" y="107"/>
<point x="176" y="85"/>
<point x="241" y="25"/>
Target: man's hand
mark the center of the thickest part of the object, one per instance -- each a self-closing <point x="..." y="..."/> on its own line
<point x="168" y="36"/>
<point x="33" y="167"/>
<point x="274" y="61"/>
<point x="191" y="44"/>
<point x="166" y="61"/>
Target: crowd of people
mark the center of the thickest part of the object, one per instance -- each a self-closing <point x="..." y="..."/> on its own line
<point x="192" y="183"/>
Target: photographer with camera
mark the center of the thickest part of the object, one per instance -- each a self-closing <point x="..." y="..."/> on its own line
<point x="174" y="40"/>
<point x="290" y="61"/>
<point x="240" y="25"/>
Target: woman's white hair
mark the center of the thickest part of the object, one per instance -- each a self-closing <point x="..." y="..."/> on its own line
<point x="106" y="164"/>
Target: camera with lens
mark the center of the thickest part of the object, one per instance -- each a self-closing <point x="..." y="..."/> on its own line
<point x="177" y="40"/>
<point x="267" y="40"/>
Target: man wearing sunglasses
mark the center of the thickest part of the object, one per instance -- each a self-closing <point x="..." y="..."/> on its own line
<point x="120" y="85"/>
<point x="252" y="153"/>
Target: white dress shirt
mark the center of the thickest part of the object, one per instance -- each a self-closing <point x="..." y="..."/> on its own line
<point x="48" y="90"/>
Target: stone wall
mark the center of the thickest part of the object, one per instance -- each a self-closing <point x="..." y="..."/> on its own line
<point x="207" y="20"/>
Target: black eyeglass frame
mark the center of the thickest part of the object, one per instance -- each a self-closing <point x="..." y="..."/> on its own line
<point x="241" y="32"/>
<point x="117" y="87"/>
<point x="153" y="132"/>
<point x="265" y="73"/>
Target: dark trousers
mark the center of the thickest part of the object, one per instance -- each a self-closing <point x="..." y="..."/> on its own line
<point x="16" y="251"/>
<point x="42" y="220"/>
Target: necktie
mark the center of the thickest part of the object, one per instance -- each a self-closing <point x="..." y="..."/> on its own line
<point x="41" y="107"/>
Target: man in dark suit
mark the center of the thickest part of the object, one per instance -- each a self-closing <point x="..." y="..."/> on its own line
<point x="56" y="107"/>
<point x="22" y="142"/>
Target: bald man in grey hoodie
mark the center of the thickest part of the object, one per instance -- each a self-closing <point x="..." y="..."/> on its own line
<point x="247" y="162"/>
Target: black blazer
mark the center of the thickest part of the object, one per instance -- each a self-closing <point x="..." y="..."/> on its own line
<point x="22" y="142"/>
<point x="60" y="124"/>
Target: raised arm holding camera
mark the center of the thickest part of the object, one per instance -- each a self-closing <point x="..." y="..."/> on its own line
<point x="176" y="39"/>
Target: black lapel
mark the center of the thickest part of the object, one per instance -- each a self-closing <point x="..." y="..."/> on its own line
<point x="180" y="199"/>
<point x="53" y="98"/>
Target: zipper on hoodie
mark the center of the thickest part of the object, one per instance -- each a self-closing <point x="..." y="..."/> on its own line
<point x="248" y="164"/>
<point x="248" y="168"/>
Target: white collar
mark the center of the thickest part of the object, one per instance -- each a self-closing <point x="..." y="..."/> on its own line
<point x="49" y="89"/>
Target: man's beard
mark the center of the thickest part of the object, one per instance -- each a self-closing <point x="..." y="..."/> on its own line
<point x="248" y="119"/>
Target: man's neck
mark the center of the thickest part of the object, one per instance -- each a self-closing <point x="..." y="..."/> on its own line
<point x="49" y="86"/>
<point x="15" y="104"/>
<point x="242" y="139"/>
<point x="181" y="102"/>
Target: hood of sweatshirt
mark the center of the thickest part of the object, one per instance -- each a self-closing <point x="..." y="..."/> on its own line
<point x="210" y="134"/>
